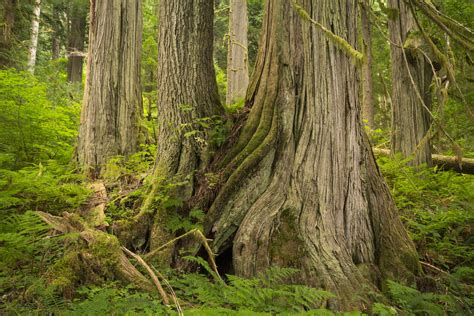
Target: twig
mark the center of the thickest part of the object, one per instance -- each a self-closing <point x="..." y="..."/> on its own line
<point x="200" y="236"/>
<point x="153" y="276"/>
<point x="426" y="264"/>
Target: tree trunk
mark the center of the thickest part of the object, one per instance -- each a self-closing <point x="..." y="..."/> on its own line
<point x="55" y="36"/>
<point x="302" y="186"/>
<point x="187" y="96"/>
<point x="9" y="11"/>
<point x="237" y="55"/>
<point x="112" y="107"/>
<point x="367" y="84"/>
<point x="411" y="79"/>
<point x="76" y="38"/>
<point x="34" y="36"/>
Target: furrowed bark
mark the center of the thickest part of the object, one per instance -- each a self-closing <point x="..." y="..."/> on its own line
<point x="110" y="118"/>
<point x="187" y="98"/>
<point x="302" y="187"/>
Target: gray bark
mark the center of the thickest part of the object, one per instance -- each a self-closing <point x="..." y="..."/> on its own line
<point x="410" y="72"/>
<point x="237" y="55"/>
<point x="302" y="187"/>
<point x="112" y="106"/>
<point x="34" y="36"/>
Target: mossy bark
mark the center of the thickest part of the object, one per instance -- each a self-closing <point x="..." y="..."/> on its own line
<point x="302" y="188"/>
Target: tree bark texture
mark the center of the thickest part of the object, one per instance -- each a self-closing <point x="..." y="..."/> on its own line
<point x="112" y="108"/>
<point x="411" y="79"/>
<point x="367" y="83"/>
<point x="34" y="36"/>
<point x="302" y="186"/>
<point x="76" y="39"/>
<point x="187" y="96"/>
<point x="9" y="12"/>
<point x="237" y="55"/>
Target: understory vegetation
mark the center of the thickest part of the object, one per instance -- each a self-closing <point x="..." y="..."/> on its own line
<point x="39" y="271"/>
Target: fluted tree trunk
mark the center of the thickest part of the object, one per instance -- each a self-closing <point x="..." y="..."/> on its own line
<point x="367" y="82"/>
<point x="34" y="36"/>
<point x="301" y="186"/>
<point x="112" y="106"/>
<point x="411" y="79"/>
<point x="76" y="39"/>
<point x="237" y="55"/>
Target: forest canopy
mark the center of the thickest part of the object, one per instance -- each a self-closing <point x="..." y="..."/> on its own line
<point x="236" y="157"/>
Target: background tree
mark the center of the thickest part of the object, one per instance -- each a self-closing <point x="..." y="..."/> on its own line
<point x="301" y="186"/>
<point x="110" y="117"/>
<point x="76" y="39"/>
<point x="237" y="55"/>
<point x="411" y="78"/>
<point x="34" y="36"/>
<point x="367" y="82"/>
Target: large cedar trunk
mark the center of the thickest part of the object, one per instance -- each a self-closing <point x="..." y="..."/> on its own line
<point x="303" y="189"/>
<point x="76" y="38"/>
<point x="237" y="56"/>
<point x="112" y="107"/>
<point x="411" y="79"/>
<point x="187" y="97"/>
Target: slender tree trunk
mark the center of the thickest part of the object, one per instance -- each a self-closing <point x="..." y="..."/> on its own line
<point x="55" y="37"/>
<point x="76" y="38"/>
<point x="34" y="36"/>
<point x="237" y="55"/>
<point x="302" y="188"/>
<point x="187" y="95"/>
<point x="112" y="107"/>
<point x="9" y="11"/>
<point x="411" y="79"/>
<point x="367" y="83"/>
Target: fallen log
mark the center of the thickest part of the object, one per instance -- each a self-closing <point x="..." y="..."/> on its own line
<point x="465" y="165"/>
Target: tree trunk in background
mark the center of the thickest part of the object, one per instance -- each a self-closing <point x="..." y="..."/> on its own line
<point x="76" y="38"/>
<point x="187" y="93"/>
<point x="9" y="11"/>
<point x="367" y="83"/>
<point x="55" y="36"/>
<point x="410" y="120"/>
<point x="237" y="55"/>
<point x="112" y="109"/>
<point x="302" y="186"/>
<point x="34" y="36"/>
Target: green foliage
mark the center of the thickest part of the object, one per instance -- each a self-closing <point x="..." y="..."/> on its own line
<point x="33" y="128"/>
<point x="47" y="187"/>
<point x="268" y="293"/>
<point x="26" y="251"/>
<point x="437" y="209"/>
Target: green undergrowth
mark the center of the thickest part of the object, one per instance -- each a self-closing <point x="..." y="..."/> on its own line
<point x="38" y="275"/>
